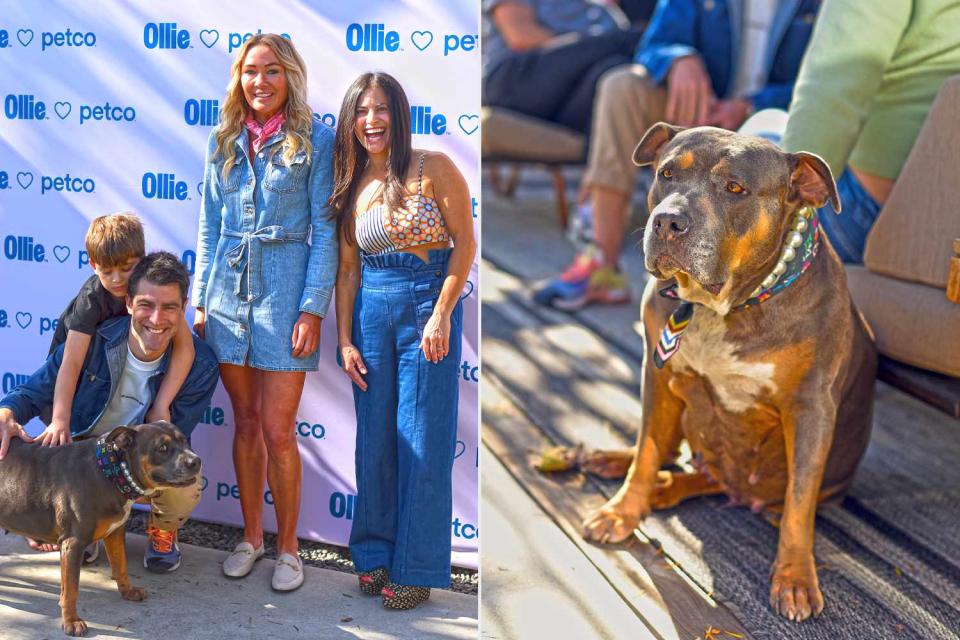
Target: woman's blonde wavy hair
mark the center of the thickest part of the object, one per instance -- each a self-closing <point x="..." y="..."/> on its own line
<point x="298" y="113"/>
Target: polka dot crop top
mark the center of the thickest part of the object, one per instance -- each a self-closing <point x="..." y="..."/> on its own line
<point x="419" y="221"/>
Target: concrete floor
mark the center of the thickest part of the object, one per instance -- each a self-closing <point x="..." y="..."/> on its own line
<point x="198" y="603"/>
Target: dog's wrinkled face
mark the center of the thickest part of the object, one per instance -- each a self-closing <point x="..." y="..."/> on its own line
<point x="720" y="207"/>
<point x="158" y="454"/>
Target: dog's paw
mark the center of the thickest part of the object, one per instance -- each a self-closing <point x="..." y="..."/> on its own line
<point x="75" y="627"/>
<point x="610" y="465"/>
<point x="795" y="592"/>
<point x="137" y="594"/>
<point x="612" y="523"/>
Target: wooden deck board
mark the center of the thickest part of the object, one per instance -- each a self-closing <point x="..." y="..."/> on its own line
<point x="658" y="594"/>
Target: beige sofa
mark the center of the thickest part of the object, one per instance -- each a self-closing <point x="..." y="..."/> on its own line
<point x="902" y="286"/>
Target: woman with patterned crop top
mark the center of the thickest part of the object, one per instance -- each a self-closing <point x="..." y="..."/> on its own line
<point x="399" y="320"/>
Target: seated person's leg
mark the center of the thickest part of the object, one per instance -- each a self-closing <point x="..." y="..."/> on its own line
<point x="171" y="508"/>
<point x="627" y="104"/>
<point x="576" y="111"/>
<point x="538" y="82"/>
<point x="848" y="230"/>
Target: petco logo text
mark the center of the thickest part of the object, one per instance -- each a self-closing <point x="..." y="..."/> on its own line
<point x="423" y="122"/>
<point x="24" y="107"/>
<point x="205" y="113"/>
<point x="107" y="112"/>
<point x="307" y="430"/>
<point x="68" y="183"/>
<point x="165" y="35"/>
<point x="469" y="372"/>
<point x="163" y="186"/>
<point x="225" y="490"/>
<point x="23" y="248"/>
<point x="371" y="37"/>
<point x="12" y="380"/>
<point x="67" y="39"/>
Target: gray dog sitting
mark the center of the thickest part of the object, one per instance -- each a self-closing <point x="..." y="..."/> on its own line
<point x="755" y="353"/>
<point x="78" y="493"/>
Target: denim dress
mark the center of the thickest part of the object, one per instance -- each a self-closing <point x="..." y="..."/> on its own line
<point x="266" y="249"/>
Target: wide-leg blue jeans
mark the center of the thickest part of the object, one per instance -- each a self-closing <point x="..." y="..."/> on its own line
<point x="406" y="422"/>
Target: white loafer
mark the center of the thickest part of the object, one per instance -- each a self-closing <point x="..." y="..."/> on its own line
<point x="240" y="562"/>
<point x="288" y="573"/>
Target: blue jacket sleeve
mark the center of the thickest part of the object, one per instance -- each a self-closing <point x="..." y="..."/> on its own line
<point x="324" y="253"/>
<point x="775" y="95"/>
<point x="211" y="213"/>
<point x="29" y="399"/>
<point x="197" y="389"/>
<point x="670" y="35"/>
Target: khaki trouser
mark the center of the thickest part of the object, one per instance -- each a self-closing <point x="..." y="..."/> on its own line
<point x="626" y="105"/>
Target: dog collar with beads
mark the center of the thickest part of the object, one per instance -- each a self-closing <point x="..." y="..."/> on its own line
<point x="115" y="469"/>
<point x="800" y="248"/>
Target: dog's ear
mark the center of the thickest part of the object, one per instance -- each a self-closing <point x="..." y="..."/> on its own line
<point x="123" y="437"/>
<point x="811" y="181"/>
<point x="655" y="137"/>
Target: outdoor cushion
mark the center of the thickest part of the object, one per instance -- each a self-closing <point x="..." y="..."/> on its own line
<point x="510" y="135"/>
<point x="913" y="323"/>
<point x="913" y="235"/>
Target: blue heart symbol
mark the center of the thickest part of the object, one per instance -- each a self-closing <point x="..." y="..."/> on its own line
<point x="63" y="109"/>
<point x="421" y="39"/>
<point x="209" y="37"/>
<point x="472" y="123"/>
<point x="203" y="483"/>
<point x="200" y="188"/>
<point x="25" y="36"/>
<point x="25" y="179"/>
<point x="61" y="250"/>
<point x="24" y="319"/>
<point x="461" y="447"/>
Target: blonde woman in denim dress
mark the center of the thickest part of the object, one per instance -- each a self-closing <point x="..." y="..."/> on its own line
<point x="406" y="247"/>
<point x="266" y="263"/>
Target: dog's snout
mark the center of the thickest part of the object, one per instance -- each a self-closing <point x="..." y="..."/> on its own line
<point x="670" y="225"/>
<point x="192" y="462"/>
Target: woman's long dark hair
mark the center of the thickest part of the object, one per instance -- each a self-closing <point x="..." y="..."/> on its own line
<point x="350" y="156"/>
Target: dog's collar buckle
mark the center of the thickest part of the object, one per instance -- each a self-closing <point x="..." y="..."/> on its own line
<point x="114" y="468"/>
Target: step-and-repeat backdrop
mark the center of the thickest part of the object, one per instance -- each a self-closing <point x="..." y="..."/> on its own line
<point x="106" y="106"/>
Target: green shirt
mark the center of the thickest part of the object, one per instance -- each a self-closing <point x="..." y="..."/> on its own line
<point x="869" y="78"/>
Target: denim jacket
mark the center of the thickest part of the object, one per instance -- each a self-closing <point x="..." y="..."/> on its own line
<point x="100" y="376"/>
<point x="711" y="28"/>
<point x="264" y="201"/>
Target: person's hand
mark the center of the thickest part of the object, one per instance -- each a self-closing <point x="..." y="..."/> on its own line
<point x="729" y="114"/>
<point x="689" y="93"/>
<point x="306" y="335"/>
<point x="158" y="413"/>
<point x="436" y="337"/>
<point x="56" y="434"/>
<point x="10" y="428"/>
<point x="353" y="365"/>
<point x="199" y="322"/>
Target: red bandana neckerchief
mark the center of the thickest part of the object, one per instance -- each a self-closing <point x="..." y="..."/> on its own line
<point x="260" y="133"/>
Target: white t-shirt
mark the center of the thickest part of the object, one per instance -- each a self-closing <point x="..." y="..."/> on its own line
<point x="132" y="397"/>
<point x="757" y="20"/>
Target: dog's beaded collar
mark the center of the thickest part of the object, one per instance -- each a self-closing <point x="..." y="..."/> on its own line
<point x="800" y="248"/>
<point x="115" y="469"/>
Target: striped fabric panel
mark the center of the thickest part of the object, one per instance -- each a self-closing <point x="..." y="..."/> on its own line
<point x="371" y="236"/>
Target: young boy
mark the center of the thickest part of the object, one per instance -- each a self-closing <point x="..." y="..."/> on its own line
<point x="115" y="245"/>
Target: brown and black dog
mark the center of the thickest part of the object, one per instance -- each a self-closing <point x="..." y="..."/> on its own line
<point x="774" y="398"/>
<point x="60" y="495"/>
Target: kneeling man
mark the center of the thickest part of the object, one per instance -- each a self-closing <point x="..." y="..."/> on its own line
<point x="125" y="364"/>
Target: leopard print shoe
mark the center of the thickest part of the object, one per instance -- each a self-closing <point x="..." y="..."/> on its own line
<point x="398" y="596"/>
<point x="373" y="582"/>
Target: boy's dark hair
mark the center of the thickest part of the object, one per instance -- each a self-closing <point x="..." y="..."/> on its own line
<point x="160" y="268"/>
